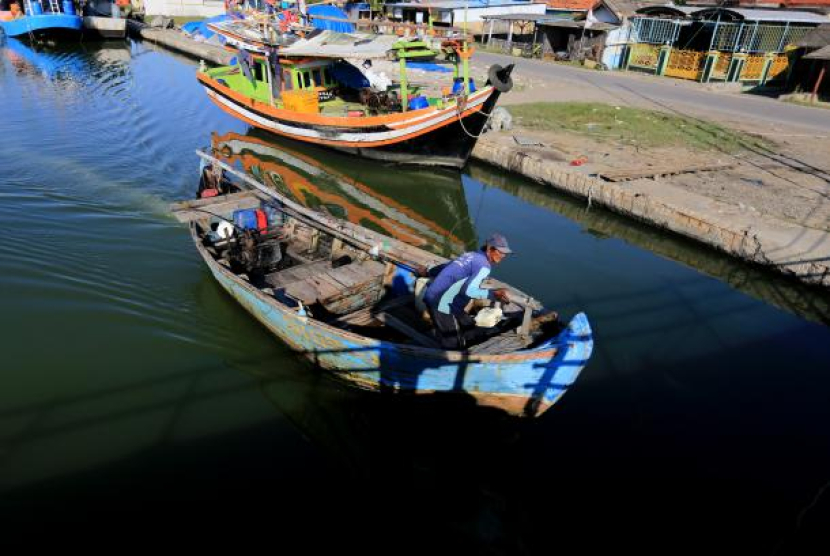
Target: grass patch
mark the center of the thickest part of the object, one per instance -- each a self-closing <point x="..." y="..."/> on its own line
<point x="633" y="126"/>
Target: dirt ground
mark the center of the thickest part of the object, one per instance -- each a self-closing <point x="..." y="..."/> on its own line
<point x="789" y="180"/>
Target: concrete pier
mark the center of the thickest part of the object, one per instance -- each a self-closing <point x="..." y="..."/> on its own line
<point x="787" y="247"/>
<point x="178" y="41"/>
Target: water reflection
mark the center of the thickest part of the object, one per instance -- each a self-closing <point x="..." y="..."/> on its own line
<point x="424" y="209"/>
<point x="67" y="63"/>
<point x="808" y="302"/>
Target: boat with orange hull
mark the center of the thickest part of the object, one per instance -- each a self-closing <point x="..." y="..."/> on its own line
<point x="345" y="99"/>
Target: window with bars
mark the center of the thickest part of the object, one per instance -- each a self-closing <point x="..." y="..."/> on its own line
<point x="654" y="31"/>
<point x="752" y="37"/>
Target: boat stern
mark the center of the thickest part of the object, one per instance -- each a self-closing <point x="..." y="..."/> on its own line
<point x="575" y="345"/>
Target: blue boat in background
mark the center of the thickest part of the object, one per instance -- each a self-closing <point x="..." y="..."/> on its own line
<point x="42" y="20"/>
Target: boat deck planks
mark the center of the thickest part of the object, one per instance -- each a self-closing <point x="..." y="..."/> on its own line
<point x="198" y="209"/>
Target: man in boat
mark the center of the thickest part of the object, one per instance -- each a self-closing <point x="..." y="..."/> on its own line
<point x="455" y="284"/>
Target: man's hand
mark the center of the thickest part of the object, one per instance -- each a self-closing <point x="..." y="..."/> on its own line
<point x="501" y="295"/>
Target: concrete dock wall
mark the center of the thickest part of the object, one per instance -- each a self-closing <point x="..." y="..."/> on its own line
<point x="178" y="41"/>
<point x="789" y="248"/>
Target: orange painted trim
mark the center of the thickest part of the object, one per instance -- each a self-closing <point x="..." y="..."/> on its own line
<point x="335" y="143"/>
<point x="365" y="121"/>
<point x="247" y="163"/>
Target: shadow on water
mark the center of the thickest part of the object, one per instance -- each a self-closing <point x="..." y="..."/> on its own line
<point x="810" y="302"/>
<point x="167" y="421"/>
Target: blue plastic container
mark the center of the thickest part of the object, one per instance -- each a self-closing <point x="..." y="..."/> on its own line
<point x="68" y="7"/>
<point x="245" y="219"/>
<point x="458" y="86"/>
<point x="37" y="8"/>
<point x="416" y="103"/>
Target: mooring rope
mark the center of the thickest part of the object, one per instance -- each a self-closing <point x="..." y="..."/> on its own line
<point x="463" y="127"/>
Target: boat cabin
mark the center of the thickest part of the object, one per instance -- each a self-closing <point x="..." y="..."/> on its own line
<point x="354" y="79"/>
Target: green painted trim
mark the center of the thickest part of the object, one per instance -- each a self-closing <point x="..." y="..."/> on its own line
<point x="709" y="65"/>
<point x="663" y="60"/>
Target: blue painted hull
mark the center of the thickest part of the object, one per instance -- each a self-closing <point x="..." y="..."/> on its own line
<point x="42" y="26"/>
<point x="522" y="383"/>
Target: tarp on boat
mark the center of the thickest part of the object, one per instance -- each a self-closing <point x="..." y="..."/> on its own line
<point x="332" y="44"/>
<point x="201" y="27"/>
<point x="333" y="12"/>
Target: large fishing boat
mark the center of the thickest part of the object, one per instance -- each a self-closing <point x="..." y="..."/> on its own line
<point x="352" y="92"/>
<point x="346" y="298"/>
<point x="42" y="20"/>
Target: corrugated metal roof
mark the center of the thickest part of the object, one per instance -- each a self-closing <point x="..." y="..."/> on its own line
<point x="820" y="54"/>
<point x="751" y="14"/>
<point x="518" y="17"/>
<point x="627" y="8"/>
<point x="570" y="24"/>
<point x="817" y="38"/>
<point x="461" y="4"/>
<point x="573" y="5"/>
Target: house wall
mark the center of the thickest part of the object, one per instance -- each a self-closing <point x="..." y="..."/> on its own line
<point x="615" y="41"/>
<point x="476" y="25"/>
<point x="201" y="8"/>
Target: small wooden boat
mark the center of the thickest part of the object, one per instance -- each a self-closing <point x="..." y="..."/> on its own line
<point x="341" y="295"/>
<point x="52" y="20"/>
<point x="351" y="92"/>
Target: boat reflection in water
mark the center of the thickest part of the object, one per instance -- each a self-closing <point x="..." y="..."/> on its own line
<point x="68" y="63"/>
<point x="427" y="210"/>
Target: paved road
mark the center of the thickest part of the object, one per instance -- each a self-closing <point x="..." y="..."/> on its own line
<point x="653" y="92"/>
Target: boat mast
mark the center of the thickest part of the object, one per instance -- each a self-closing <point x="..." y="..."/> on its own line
<point x="404" y="92"/>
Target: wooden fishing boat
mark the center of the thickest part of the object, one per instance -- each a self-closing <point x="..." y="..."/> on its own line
<point x="341" y="295"/>
<point x="351" y="92"/>
<point x="50" y="20"/>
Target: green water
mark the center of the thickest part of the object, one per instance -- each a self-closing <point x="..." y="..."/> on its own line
<point x="137" y="397"/>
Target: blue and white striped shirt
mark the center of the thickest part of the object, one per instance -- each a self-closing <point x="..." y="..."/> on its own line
<point x="458" y="282"/>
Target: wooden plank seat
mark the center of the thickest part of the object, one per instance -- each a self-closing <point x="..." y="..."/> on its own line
<point x="340" y="290"/>
<point x="293" y="274"/>
<point x="202" y="209"/>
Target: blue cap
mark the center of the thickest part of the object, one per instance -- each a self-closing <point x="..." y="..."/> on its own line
<point x="498" y="241"/>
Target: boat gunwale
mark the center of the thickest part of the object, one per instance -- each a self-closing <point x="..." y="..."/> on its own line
<point x="546" y="350"/>
<point x="396" y="121"/>
<point x="338" y="143"/>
